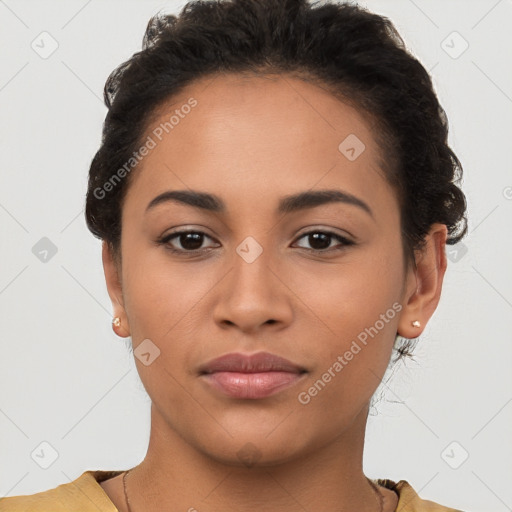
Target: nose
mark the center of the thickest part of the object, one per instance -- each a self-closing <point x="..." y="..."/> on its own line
<point x="254" y="294"/>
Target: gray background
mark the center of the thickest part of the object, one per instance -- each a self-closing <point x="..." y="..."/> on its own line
<point x="68" y="381"/>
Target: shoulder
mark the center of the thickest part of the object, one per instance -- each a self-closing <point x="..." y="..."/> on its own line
<point x="409" y="500"/>
<point x="83" y="494"/>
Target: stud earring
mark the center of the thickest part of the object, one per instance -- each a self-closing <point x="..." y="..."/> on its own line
<point x="416" y="323"/>
<point x="116" y="322"/>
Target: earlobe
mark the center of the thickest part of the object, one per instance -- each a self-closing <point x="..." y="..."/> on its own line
<point x="425" y="283"/>
<point x="114" y="287"/>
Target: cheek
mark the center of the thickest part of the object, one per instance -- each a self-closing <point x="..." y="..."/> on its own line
<point x="352" y="311"/>
<point x="345" y="297"/>
<point x="160" y="293"/>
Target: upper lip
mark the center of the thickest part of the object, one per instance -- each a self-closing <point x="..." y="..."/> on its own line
<point x="254" y="363"/>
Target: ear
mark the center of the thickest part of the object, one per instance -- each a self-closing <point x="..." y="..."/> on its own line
<point x="115" y="291"/>
<point x="424" y="283"/>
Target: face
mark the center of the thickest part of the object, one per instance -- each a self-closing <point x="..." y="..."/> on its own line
<point x="320" y="283"/>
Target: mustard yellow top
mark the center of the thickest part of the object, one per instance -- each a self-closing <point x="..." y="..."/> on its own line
<point x="86" y="495"/>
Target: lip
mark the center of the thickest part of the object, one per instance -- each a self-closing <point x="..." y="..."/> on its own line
<point x="250" y="363"/>
<point x="252" y="376"/>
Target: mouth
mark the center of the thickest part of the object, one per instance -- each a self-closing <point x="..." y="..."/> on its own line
<point x="251" y="376"/>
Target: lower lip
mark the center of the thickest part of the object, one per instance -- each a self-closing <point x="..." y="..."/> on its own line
<point x="252" y="385"/>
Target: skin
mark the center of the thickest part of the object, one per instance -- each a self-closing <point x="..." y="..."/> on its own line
<point x="251" y="141"/>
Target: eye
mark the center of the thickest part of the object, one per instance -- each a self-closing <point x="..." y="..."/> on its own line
<point x="321" y="241"/>
<point x="190" y="241"/>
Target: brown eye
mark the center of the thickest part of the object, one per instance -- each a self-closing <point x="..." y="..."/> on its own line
<point x="320" y="241"/>
<point x="189" y="241"/>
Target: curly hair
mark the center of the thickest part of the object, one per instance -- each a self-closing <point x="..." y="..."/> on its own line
<point x="357" y="55"/>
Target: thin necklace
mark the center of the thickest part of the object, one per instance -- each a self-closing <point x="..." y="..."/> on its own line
<point x="125" y="494"/>
<point x="380" y="499"/>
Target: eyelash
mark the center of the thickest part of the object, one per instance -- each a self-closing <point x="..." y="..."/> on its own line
<point x="167" y="238"/>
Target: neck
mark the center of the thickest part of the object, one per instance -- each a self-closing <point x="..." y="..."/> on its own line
<point x="176" y="476"/>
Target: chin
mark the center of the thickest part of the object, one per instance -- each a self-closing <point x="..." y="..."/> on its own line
<point x="254" y="448"/>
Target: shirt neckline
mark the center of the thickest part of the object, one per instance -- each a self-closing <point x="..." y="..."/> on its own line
<point x="102" y="475"/>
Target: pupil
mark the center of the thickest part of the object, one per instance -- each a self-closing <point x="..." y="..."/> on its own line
<point x="194" y="239"/>
<point x="317" y="236"/>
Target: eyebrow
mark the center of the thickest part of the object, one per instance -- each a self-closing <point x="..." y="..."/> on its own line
<point x="287" y="204"/>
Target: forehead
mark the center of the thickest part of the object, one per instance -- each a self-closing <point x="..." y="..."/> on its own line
<point x="269" y="135"/>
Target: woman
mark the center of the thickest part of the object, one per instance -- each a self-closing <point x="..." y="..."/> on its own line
<point x="243" y="135"/>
